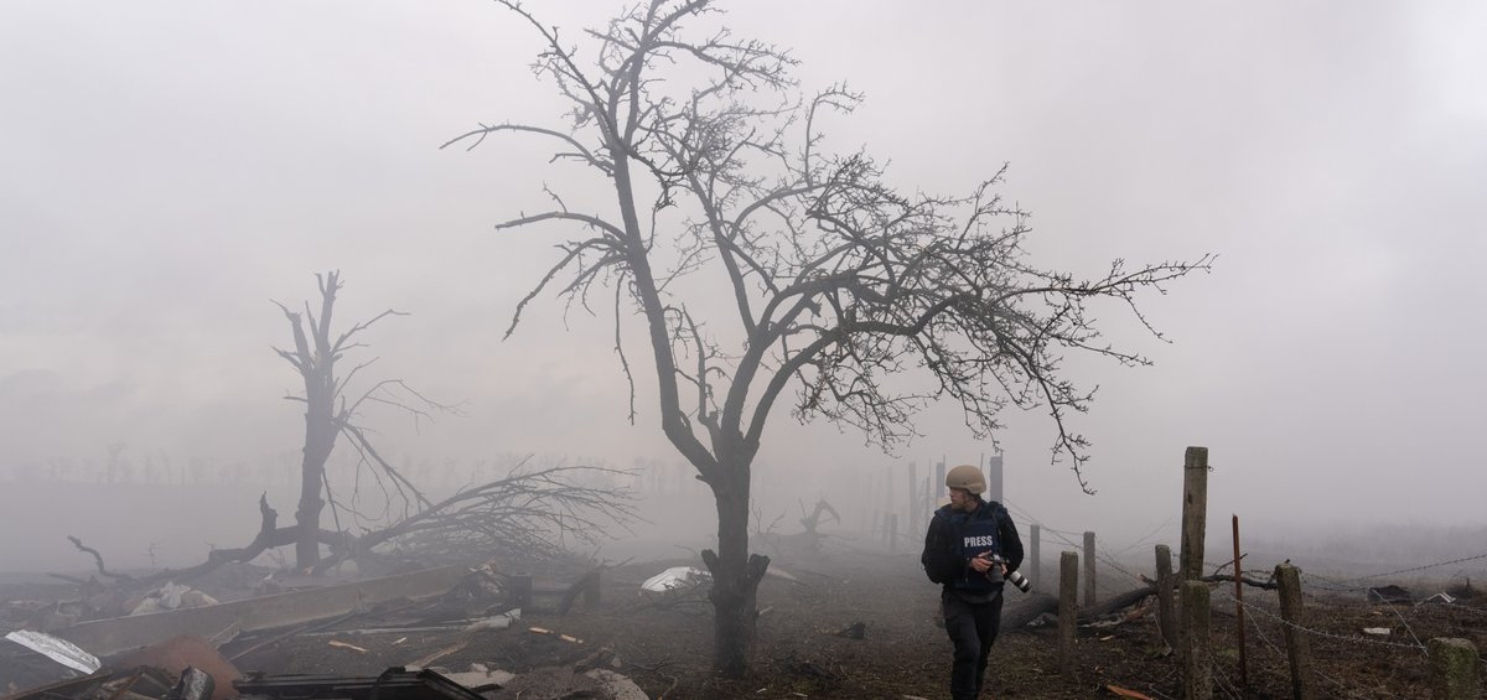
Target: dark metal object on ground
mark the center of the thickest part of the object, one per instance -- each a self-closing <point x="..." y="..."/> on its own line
<point x="397" y="683"/>
<point x="195" y="684"/>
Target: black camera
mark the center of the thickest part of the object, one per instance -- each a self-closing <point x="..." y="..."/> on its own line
<point x="1013" y="577"/>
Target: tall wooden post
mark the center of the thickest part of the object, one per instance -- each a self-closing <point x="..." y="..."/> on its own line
<point x="1089" y="569"/>
<point x="1239" y="608"/>
<point x="916" y="519"/>
<point x="1298" y="647"/>
<point x="927" y="497"/>
<point x="1068" y="610"/>
<point x="893" y="533"/>
<point x="1194" y="512"/>
<point x="1034" y="562"/>
<point x="1197" y="656"/>
<point x="938" y="486"/>
<point x="994" y="480"/>
<point x="888" y="504"/>
<point x="1194" y="530"/>
<point x="1165" y="610"/>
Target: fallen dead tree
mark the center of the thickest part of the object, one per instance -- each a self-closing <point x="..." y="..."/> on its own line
<point x="529" y="515"/>
<point x="1036" y="605"/>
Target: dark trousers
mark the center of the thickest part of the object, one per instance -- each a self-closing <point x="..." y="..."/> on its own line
<point x="972" y="628"/>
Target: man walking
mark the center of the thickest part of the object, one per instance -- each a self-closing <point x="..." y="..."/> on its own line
<point x="970" y="546"/>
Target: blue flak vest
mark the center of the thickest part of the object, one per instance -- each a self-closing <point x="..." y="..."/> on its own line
<point x="977" y="533"/>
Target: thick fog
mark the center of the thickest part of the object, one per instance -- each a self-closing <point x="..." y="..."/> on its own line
<point x="170" y="169"/>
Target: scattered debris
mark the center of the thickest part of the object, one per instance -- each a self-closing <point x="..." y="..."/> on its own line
<point x="495" y="622"/>
<point x="617" y="686"/>
<point x="171" y="596"/>
<point x="342" y="645"/>
<point x="144" y="682"/>
<point x="185" y="651"/>
<point x="476" y="594"/>
<point x="446" y="651"/>
<point x="550" y="683"/>
<point x="119" y="635"/>
<point x="394" y="684"/>
<point x="479" y="678"/>
<point x="777" y="572"/>
<point x="1441" y="597"/>
<point x="58" y="650"/>
<point x="195" y="684"/>
<point x="856" y="630"/>
<point x="559" y="635"/>
<point x="1389" y="594"/>
<point x="1127" y="693"/>
<point x="674" y="578"/>
<point x="1378" y="631"/>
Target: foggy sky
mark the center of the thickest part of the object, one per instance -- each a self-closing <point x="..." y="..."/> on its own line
<point x="170" y="168"/>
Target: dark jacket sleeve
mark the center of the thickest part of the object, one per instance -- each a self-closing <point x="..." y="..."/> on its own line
<point x="940" y="559"/>
<point x="1011" y="542"/>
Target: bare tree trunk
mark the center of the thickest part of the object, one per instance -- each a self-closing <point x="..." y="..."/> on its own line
<point x="736" y="574"/>
<point x="315" y="357"/>
<point x="320" y="439"/>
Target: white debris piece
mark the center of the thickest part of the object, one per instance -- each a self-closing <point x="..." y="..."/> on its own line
<point x="58" y="650"/>
<point x="172" y="596"/>
<point x="481" y="677"/>
<point x="496" y="622"/>
<point x="1377" y="631"/>
<point x="675" y="577"/>
<point x="618" y="686"/>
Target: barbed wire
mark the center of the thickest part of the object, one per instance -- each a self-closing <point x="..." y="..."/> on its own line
<point x="1249" y="606"/>
<point x="1063" y="536"/>
<point x="1427" y="566"/>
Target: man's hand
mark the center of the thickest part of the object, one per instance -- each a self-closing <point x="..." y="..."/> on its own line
<point x="982" y="562"/>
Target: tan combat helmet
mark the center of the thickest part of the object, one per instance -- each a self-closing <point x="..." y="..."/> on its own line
<point x="966" y="477"/>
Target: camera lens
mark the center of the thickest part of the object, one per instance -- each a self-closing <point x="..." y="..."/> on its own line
<point x="1020" y="581"/>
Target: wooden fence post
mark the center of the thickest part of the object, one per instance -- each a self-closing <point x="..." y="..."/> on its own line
<point x="939" y="483"/>
<point x="1089" y="569"/>
<point x="1298" y="647"/>
<point x="1194" y="512"/>
<point x="1068" y="610"/>
<point x="1453" y="669"/>
<point x="916" y="519"/>
<point x="893" y="533"/>
<point x="1197" y="656"/>
<point x="1165" y="612"/>
<point x="1034" y="576"/>
<point x="1239" y="608"/>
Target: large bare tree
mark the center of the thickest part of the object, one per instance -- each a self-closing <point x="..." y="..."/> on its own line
<point x="717" y="166"/>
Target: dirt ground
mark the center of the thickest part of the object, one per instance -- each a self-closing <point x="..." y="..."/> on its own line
<point x="815" y="594"/>
<point x="664" y="645"/>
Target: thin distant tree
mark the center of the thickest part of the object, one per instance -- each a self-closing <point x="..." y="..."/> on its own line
<point x="719" y="174"/>
<point x="328" y="411"/>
